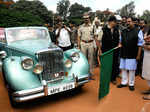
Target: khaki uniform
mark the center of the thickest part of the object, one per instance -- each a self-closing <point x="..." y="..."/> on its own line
<point x="86" y="35"/>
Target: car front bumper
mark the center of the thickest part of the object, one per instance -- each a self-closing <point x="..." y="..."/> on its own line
<point x="30" y="94"/>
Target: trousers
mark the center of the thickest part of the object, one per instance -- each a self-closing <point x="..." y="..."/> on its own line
<point x="115" y="65"/>
<point x="88" y="50"/>
<point x="125" y="78"/>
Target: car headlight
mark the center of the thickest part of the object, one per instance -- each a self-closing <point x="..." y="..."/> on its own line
<point x="38" y="69"/>
<point x="27" y="63"/>
<point x="68" y="63"/>
<point x="75" y="57"/>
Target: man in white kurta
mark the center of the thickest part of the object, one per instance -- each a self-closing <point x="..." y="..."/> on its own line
<point x="132" y="42"/>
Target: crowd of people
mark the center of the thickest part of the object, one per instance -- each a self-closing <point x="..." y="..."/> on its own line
<point x="130" y="36"/>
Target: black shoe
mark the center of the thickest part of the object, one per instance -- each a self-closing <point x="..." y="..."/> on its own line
<point x="131" y="88"/>
<point x="121" y="86"/>
<point x="146" y="92"/>
<point x="146" y="97"/>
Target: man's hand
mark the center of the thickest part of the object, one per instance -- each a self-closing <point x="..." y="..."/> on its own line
<point x="57" y="42"/>
<point x="98" y="44"/>
<point x="79" y="47"/>
<point x="138" y="58"/>
<point x="99" y="52"/>
<point x="147" y="38"/>
<point x="119" y="45"/>
<point x="147" y="47"/>
<point x="139" y="53"/>
<point x="98" y="57"/>
<point x="65" y="27"/>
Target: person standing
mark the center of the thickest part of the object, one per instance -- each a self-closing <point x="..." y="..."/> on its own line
<point x="131" y="42"/>
<point x="86" y="40"/>
<point x="63" y="36"/>
<point x="98" y="33"/>
<point x="146" y="66"/>
<point x="74" y="33"/>
<point x="123" y="24"/>
<point x="110" y="40"/>
<point x="51" y="33"/>
<point x="144" y="28"/>
<point x="136" y="23"/>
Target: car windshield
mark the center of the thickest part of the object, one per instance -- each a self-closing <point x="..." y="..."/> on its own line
<point x="26" y="34"/>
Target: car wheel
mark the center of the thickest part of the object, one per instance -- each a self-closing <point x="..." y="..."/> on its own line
<point x="12" y="102"/>
<point x="80" y="87"/>
<point x="4" y="78"/>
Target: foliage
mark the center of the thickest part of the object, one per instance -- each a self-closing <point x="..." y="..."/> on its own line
<point x="76" y="21"/>
<point x="35" y="8"/>
<point x="77" y="10"/>
<point x="127" y="10"/>
<point x="17" y="18"/>
<point x="146" y="16"/>
<point x="63" y="8"/>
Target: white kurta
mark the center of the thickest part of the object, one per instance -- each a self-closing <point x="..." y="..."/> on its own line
<point x="146" y="65"/>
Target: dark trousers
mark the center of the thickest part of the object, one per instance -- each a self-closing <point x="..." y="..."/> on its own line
<point x="115" y="65"/>
<point x="66" y="48"/>
<point x="140" y="64"/>
<point x="95" y="57"/>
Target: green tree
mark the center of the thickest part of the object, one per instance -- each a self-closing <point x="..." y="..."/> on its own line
<point x="17" y="18"/>
<point x="127" y="10"/>
<point x="63" y="8"/>
<point x="146" y="16"/>
<point x="35" y="8"/>
<point x="76" y="12"/>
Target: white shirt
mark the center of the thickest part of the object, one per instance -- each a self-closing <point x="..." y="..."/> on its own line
<point x="64" y="38"/>
<point x="99" y="33"/>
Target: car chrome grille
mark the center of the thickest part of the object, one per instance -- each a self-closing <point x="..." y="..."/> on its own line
<point x="52" y="62"/>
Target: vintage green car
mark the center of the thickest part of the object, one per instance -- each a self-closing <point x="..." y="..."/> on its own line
<point x="34" y="67"/>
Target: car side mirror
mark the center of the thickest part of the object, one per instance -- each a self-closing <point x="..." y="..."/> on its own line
<point x="3" y="54"/>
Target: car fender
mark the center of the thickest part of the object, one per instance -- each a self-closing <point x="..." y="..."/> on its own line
<point x="79" y="68"/>
<point x="18" y="78"/>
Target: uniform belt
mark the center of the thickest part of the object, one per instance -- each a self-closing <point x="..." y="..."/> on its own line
<point x="87" y="41"/>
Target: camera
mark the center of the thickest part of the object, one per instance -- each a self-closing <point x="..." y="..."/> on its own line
<point x="63" y="26"/>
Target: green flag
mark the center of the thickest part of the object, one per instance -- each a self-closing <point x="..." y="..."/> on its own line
<point x="105" y="72"/>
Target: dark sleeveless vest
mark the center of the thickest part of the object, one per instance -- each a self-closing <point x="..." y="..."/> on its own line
<point x="109" y="40"/>
<point x="129" y="40"/>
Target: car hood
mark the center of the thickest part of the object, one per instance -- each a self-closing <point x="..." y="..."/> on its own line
<point x="32" y="46"/>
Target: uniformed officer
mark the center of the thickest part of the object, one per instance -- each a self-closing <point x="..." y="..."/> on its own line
<point x="86" y="39"/>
